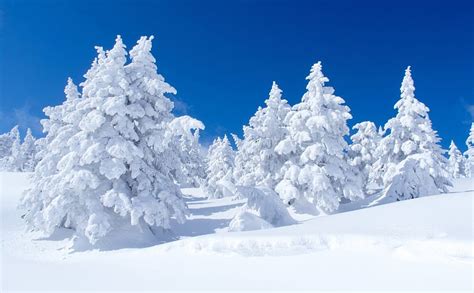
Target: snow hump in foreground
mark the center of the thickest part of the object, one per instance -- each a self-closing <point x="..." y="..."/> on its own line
<point x="420" y="244"/>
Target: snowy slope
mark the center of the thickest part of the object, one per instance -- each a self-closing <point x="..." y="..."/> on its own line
<point x="425" y="243"/>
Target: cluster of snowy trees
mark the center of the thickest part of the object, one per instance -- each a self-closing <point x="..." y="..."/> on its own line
<point x="18" y="156"/>
<point x="115" y="155"/>
<point x="301" y="151"/>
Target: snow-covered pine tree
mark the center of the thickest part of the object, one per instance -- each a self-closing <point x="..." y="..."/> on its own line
<point x="317" y="169"/>
<point x="257" y="162"/>
<point x="184" y="132"/>
<point x="111" y="175"/>
<point x="6" y="143"/>
<point x="469" y="153"/>
<point x="16" y="159"/>
<point x="220" y="165"/>
<point x="362" y="150"/>
<point x="411" y="137"/>
<point x="456" y="161"/>
<point x="42" y="198"/>
<point x="28" y="151"/>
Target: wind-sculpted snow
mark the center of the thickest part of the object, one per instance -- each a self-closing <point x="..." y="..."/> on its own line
<point x="432" y="246"/>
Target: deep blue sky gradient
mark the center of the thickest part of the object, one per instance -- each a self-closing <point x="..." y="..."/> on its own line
<point x="222" y="56"/>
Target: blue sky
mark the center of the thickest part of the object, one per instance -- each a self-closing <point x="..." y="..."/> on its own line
<point x="222" y="56"/>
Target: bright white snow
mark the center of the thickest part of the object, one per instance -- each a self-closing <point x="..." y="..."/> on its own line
<point x="425" y="243"/>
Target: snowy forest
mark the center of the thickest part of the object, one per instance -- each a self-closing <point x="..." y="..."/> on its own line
<point x="113" y="154"/>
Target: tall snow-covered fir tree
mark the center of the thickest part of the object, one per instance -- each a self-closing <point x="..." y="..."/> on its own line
<point x="256" y="161"/>
<point x="220" y="165"/>
<point x="469" y="153"/>
<point x="114" y="170"/>
<point x="456" y="161"/>
<point x="362" y="150"/>
<point x="317" y="169"/>
<point x="59" y="127"/>
<point x="410" y="160"/>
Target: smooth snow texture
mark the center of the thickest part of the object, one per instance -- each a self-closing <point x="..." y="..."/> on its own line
<point x="429" y="247"/>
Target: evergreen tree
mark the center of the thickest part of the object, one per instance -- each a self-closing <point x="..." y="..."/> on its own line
<point x="190" y="169"/>
<point x="256" y="161"/>
<point x="59" y="128"/>
<point x="317" y="170"/>
<point x="456" y="161"/>
<point x="16" y="159"/>
<point x="112" y="169"/>
<point x="6" y="144"/>
<point x="220" y="164"/>
<point x="28" y="151"/>
<point x="410" y="136"/>
<point x="362" y="150"/>
<point x="469" y="153"/>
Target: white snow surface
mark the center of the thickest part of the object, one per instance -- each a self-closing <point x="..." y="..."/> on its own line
<point x="420" y="244"/>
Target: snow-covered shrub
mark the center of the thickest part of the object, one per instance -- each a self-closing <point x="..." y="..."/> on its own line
<point x="456" y="161"/>
<point x="317" y="167"/>
<point x="362" y="150"/>
<point x="110" y="155"/>
<point x="263" y="206"/>
<point x="469" y="153"/>
<point x="415" y="177"/>
<point x="410" y="133"/>
<point x="256" y="161"/>
<point x="220" y="165"/>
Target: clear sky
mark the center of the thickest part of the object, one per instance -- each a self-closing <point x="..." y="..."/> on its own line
<point x="222" y="56"/>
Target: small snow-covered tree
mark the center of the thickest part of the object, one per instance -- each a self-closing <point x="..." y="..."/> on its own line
<point x="456" y="161"/>
<point x="114" y="169"/>
<point x="28" y="151"/>
<point x="191" y="168"/>
<point x="469" y="153"/>
<point x="362" y="150"/>
<point x="6" y="143"/>
<point x="16" y="158"/>
<point x="220" y="165"/>
<point x="317" y="169"/>
<point x="257" y="162"/>
<point x="410" y="133"/>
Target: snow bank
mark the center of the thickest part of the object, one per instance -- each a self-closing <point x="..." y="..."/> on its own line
<point x="420" y="244"/>
<point x="434" y="227"/>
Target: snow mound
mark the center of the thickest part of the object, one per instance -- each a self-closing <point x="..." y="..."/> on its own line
<point x="266" y="204"/>
<point x="247" y="221"/>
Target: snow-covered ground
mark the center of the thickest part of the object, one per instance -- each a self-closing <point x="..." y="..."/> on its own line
<point x="422" y="244"/>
